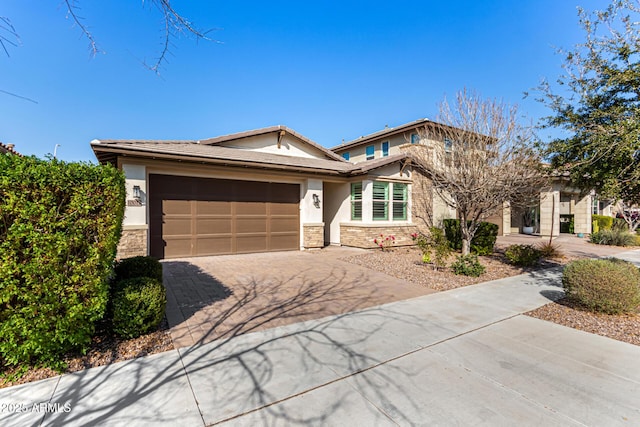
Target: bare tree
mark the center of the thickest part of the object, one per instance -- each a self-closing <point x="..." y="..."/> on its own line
<point x="478" y="157"/>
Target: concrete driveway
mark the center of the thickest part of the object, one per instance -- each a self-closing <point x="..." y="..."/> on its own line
<point x="214" y="297"/>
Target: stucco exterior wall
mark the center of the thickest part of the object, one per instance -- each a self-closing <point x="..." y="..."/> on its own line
<point x="337" y="209"/>
<point x="268" y="143"/>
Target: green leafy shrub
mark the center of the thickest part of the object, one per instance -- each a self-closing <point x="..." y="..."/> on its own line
<point x="613" y="237"/>
<point x="138" y="306"/>
<point x="59" y="229"/>
<point x="467" y="265"/>
<point x="606" y="285"/>
<point x="549" y="250"/>
<point x="523" y="255"/>
<point x="604" y="222"/>
<point x="482" y="243"/>
<point x="435" y="247"/>
<point x="595" y="226"/>
<point x="138" y="266"/>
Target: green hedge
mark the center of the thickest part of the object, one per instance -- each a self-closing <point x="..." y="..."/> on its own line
<point x="59" y="229"/>
<point x="138" y="266"/>
<point x="482" y="243"/>
<point x="604" y="222"/>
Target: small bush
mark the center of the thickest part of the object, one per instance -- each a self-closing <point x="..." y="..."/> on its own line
<point x="613" y="237"/>
<point x="139" y="266"/>
<point x="604" y="222"/>
<point x="467" y="266"/>
<point x="548" y="250"/>
<point x="435" y="247"/>
<point x="138" y="306"/>
<point x="523" y="255"/>
<point x="482" y="243"/>
<point x="607" y="285"/>
<point x="384" y="242"/>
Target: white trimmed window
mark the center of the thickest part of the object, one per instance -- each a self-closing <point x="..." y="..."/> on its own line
<point x="370" y="152"/>
<point x="380" y="201"/>
<point x="385" y="148"/>
<point x="400" y="200"/>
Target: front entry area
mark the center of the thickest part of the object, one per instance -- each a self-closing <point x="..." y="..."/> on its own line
<point x="204" y="216"/>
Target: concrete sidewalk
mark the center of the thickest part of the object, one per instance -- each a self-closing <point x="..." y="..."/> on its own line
<point x="460" y="357"/>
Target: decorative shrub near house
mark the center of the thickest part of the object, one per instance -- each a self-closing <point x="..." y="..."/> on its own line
<point x="606" y="285"/>
<point x="467" y="266"/>
<point x="523" y="255"/>
<point x="59" y="228"/>
<point x="604" y="222"/>
<point x="138" y="266"/>
<point x="482" y="243"/>
<point x="613" y="237"/>
<point x="138" y="306"/>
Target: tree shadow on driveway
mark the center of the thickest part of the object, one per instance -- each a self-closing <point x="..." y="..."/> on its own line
<point x="240" y="373"/>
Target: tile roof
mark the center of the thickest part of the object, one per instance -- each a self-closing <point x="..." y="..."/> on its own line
<point x="381" y="133"/>
<point x="108" y="150"/>
<point x="8" y="148"/>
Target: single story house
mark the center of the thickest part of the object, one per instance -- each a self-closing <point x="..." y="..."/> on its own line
<point x="272" y="189"/>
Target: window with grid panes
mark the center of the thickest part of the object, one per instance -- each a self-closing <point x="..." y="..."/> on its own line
<point x="380" y="201"/>
<point x="356" y="201"/>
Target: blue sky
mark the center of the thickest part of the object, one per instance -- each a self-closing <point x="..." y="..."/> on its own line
<point x="330" y="70"/>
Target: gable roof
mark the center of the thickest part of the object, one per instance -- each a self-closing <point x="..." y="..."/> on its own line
<point x="271" y="129"/>
<point x="382" y="133"/>
<point x="107" y="151"/>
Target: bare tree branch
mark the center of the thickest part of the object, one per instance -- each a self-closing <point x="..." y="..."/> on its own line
<point x="8" y="34"/>
<point x="72" y="9"/>
<point x="477" y="157"/>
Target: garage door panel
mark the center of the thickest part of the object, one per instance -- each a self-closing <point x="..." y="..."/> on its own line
<point x="284" y="241"/>
<point x="203" y="216"/>
<point x="251" y="208"/>
<point x="213" y="226"/>
<point x="214" y="245"/>
<point x="213" y="208"/>
<point x="284" y="209"/>
<point x="283" y="225"/>
<point x="251" y="224"/>
<point x="251" y="242"/>
<point x="177" y="226"/>
<point x="176" y="207"/>
<point x="177" y="247"/>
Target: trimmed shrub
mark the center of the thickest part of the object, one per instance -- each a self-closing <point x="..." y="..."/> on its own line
<point x="467" y="266"/>
<point x="523" y="255"/>
<point x="138" y="306"/>
<point x="482" y="243"/>
<point x="138" y="266"/>
<point x="613" y="237"/>
<point x="60" y="227"/>
<point x="607" y="285"/>
<point x="604" y="222"/>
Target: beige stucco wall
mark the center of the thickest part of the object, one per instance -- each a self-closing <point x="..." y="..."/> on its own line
<point x="337" y="209"/>
<point x="268" y="143"/>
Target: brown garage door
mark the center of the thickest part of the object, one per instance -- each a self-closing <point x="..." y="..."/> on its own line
<point x="202" y="216"/>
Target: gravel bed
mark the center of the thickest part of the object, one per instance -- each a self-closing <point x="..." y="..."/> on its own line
<point x="404" y="263"/>
<point x="564" y="312"/>
<point x="105" y="349"/>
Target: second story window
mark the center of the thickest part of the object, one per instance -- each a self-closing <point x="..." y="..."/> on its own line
<point x="415" y="138"/>
<point x="370" y="152"/>
<point x="345" y="155"/>
<point x="385" y="149"/>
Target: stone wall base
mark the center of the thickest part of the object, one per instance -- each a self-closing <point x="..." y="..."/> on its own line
<point x="313" y="235"/>
<point x="362" y="236"/>
<point x="132" y="243"/>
